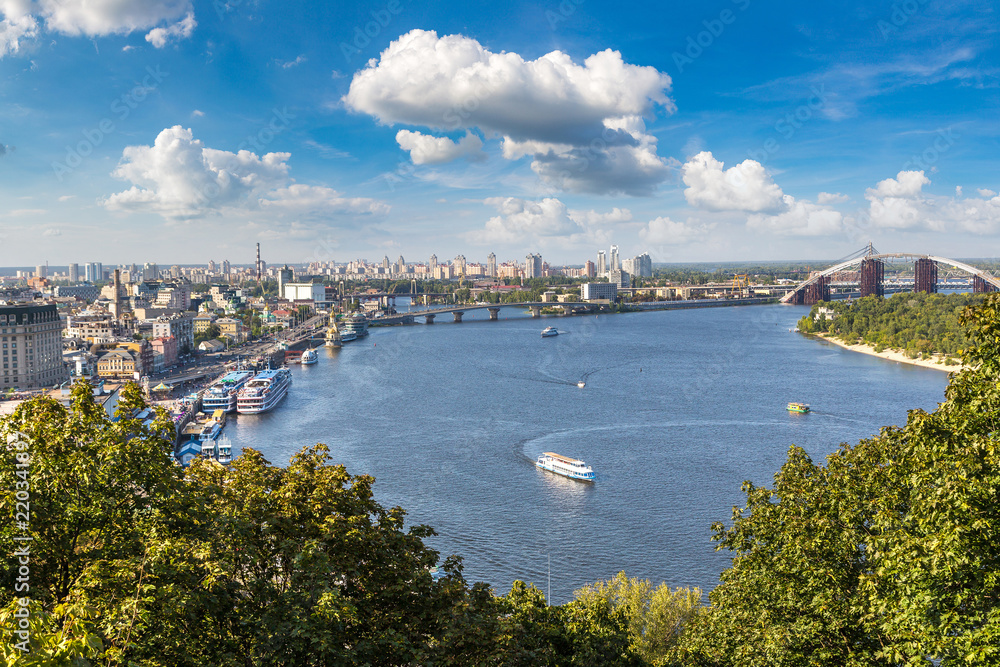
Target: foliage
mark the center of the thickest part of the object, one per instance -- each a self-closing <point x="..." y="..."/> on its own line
<point x="887" y="555"/>
<point x="917" y="323"/>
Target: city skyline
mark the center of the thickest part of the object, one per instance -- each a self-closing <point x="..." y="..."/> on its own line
<point x="326" y="132"/>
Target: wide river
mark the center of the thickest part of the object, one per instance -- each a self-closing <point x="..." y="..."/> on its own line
<point x="679" y="408"/>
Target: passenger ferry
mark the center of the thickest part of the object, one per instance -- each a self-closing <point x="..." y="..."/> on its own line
<point x="264" y="391"/>
<point x="565" y="466"/>
<point x="353" y="324"/>
<point x="549" y="331"/>
<point x="798" y="407"/>
<point x="309" y="357"/>
<point x="222" y="394"/>
<point x="224" y="450"/>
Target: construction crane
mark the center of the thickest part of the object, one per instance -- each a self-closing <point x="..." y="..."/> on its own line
<point x="741" y="284"/>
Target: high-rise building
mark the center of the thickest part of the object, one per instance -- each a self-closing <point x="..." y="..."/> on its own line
<point x="211" y="266"/>
<point x="432" y="264"/>
<point x="615" y="260"/>
<point x="74" y="273"/>
<point x="93" y="272"/>
<point x="533" y="266"/>
<point x="285" y="276"/>
<point x="491" y="265"/>
<point x="459" y="265"/>
<point x="41" y="271"/>
<point x="588" y="269"/>
<point x="32" y="351"/>
<point x="150" y="271"/>
<point x="602" y="263"/>
<point x="226" y="268"/>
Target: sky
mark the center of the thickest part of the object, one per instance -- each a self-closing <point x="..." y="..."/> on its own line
<point x="182" y="131"/>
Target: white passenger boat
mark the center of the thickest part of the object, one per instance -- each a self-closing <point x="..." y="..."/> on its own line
<point x="309" y="357"/>
<point x="547" y="332"/>
<point x="224" y="447"/>
<point x="264" y="391"/>
<point x="565" y="466"/>
<point x="222" y="394"/>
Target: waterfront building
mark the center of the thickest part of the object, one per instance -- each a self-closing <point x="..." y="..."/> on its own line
<point x="31" y="352"/>
<point x="599" y="291"/>
<point x="640" y="265"/>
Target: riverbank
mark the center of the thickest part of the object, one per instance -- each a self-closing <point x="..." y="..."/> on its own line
<point x="936" y="363"/>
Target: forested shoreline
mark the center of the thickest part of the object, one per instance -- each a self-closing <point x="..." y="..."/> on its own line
<point x="887" y="553"/>
<point x="917" y="324"/>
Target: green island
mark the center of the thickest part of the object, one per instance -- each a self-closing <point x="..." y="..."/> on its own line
<point x="917" y="324"/>
<point x="887" y="553"/>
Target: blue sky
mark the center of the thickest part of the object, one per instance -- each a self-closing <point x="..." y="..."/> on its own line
<point x="178" y="132"/>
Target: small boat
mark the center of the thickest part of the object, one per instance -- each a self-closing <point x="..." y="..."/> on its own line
<point x="348" y="336"/>
<point x="581" y="384"/>
<point x="224" y="450"/>
<point x="565" y="466"/>
<point x="798" y="407"/>
<point x="548" y="332"/>
<point x="309" y="357"/>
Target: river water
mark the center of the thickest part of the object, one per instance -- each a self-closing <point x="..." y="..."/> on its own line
<point x="678" y="409"/>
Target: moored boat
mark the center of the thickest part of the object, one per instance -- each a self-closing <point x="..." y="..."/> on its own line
<point x="309" y="357"/>
<point x="353" y="324"/>
<point x="264" y="391"/>
<point x="565" y="466"/>
<point x="801" y="408"/>
<point x="222" y="394"/>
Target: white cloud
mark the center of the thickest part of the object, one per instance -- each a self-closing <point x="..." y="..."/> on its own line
<point x="800" y="218"/>
<point x="313" y="199"/>
<point x="183" y="29"/>
<point x="425" y="149"/>
<point x="906" y="185"/>
<point x="664" y="231"/>
<point x="92" y="18"/>
<point x="901" y="203"/>
<point x="746" y="187"/>
<point x="52" y="231"/>
<point x="14" y="29"/>
<point x="985" y="192"/>
<point x="544" y="222"/>
<point x="179" y="178"/>
<point x="197" y="113"/>
<point x="559" y="112"/>
<point x="288" y="64"/>
<point x="831" y="198"/>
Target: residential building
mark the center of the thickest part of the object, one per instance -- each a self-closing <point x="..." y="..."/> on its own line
<point x="164" y="353"/>
<point x="231" y="328"/>
<point x="589" y="270"/>
<point x="491" y="265"/>
<point x="615" y="260"/>
<point x="74" y="273"/>
<point x="180" y="327"/>
<point x="598" y="291"/>
<point x="304" y="292"/>
<point x="602" y="263"/>
<point x="285" y="276"/>
<point x="533" y="266"/>
<point x="142" y="353"/>
<point x="203" y="321"/>
<point x="86" y="292"/>
<point x="31" y="352"/>
<point x="620" y="278"/>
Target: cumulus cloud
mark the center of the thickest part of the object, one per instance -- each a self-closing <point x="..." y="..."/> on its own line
<point x="288" y="64"/>
<point x="831" y="198"/>
<point x="799" y="218"/>
<point x="180" y="178"/>
<point x="427" y="149"/>
<point x="159" y="37"/>
<point x="745" y="187"/>
<point x="664" y="231"/>
<point x="901" y="203"/>
<point x="557" y="111"/>
<point x="21" y="19"/>
<point x="543" y="222"/>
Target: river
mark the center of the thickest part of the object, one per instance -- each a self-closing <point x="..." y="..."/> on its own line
<point x="678" y="409"/>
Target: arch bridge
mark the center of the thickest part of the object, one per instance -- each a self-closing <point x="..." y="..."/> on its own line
<point x="872" y="263"/>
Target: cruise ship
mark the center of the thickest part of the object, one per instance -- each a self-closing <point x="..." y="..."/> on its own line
<point x="222" y="394"/>
<point x="263" y="392"/>
<point x="353" y="324"/>
<point x="565" y="466"/>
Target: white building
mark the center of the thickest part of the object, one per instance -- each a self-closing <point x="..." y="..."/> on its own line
<point x="305" y="292"/>
<point x="598" y="291"/>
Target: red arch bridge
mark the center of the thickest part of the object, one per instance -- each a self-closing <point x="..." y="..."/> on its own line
<point x="871" y="276"/>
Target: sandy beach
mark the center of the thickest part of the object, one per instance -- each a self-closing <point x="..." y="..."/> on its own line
<point x="937" y="363"/>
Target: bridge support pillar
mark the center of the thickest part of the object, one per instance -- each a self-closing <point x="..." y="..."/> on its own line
<point x="458" y="315"/>
<point x="566" y="310"/>
<point x="429" y="319"/>
<point x="426" y="300"/>
<point x="536" y="311"/>
<point x="494" y="312"/>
